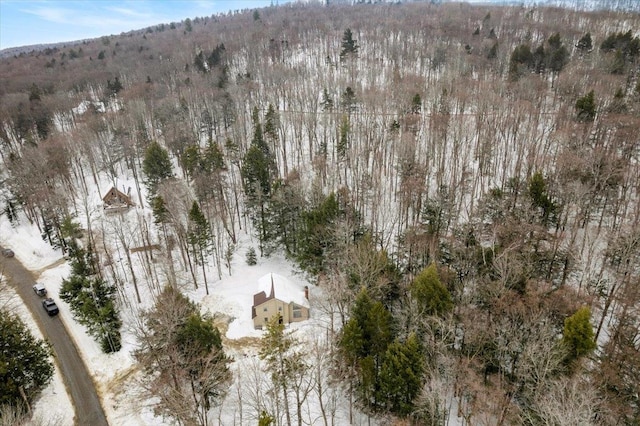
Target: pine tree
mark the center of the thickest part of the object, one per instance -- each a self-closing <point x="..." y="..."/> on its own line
<point x="285" y="214"/>
<point x="191" y="160"/>
<point x="618" y="65"/>
<point x="258" y="172"/>
<point x="416" y="104"/>
<point x="557" y="55"/>
<point x="200" y="238"/>
<point x="493" y="52"/>
<point x="251" y="258"/>
<point x="343" y="142"/>
<point x="520" y="62"/>
<point x="315" y="237"/>
<point x="362" y="344"/>
<point x="585" y="45"/>
<point x="586" y="107"/>
<point x="272" y="121"/>
<point x="327" y="102"/>
<point x="349" y="45"/>
<point x="115" y="87"/>
<point x="401" y="376"/>
<point x="348" y="100"/>
<point x="160" y="211"/>
<point x="156" y="166"/>
<point x="540" y="198"/>
<point x="213" y="159"/>
<point x="92" y="300"/>
<point x="25" y="366"/>
<point x="578" y="336"/>
<point x="432" y="296"/>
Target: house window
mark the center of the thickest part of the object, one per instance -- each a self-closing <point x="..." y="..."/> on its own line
<point x="297" y="311"/>
<point x="265" y="309"/>
<point x="266" y="320"/>
<point x="280" y="308"/>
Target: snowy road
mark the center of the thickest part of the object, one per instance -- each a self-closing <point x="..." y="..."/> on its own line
<point x="76" y="377"/>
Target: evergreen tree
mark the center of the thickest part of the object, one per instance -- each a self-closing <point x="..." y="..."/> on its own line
<point x="432" y="296"/>
<point x="343" y="142"/>
<point x="199" y="62"/>
<point x="285" y="213"/>
<point x="272" y="121"/>
<point x="626" y="49"/>
<point x="115" y="87"/>
<point x="251" y="258"/>
<point x="191" y="160"/>
<point x="539" y="197"/>
<point x="315" y="237"/>
<point x="70" y="230"/>
<point x="160" y="211"/>
<point x="586" y="107"/>
<point x="92" y="300"/>
<point x="493" y="52"/>
<point x="416" y="104"/>
<point x="200" y="239"/>
<point x="215" y="59"/>
<point x="213" y="159"/>
<point x="401" y="376"/>
<point x="258" y="170"/>
<point x="25" y="367"/>
<point x="362" y="344"/>
<point x="156" y="166"/>
<point x="327" y="102"/>
<point x="348" y="100"/>
<point x="578" y="336"/>
<point x="539" y="60"/>
<point x="618" y="65"/>
<point x="521" y="61"/>
<point x="585" y="44"/>
<point x="349" y="45"/>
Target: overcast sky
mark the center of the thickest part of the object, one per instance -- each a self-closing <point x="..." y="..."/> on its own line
<point x="50" y="21"/>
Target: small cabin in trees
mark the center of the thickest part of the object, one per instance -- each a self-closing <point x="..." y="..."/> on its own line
<point x="117" y="200"/>
<point x="279" y="296"/>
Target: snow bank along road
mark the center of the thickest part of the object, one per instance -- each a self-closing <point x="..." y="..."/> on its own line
<point x="72" y="368"/>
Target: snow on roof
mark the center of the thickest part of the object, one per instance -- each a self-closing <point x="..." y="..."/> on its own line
<point x="285" y="290"/>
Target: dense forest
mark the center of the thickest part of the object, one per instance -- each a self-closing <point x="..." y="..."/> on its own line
<point x="461" y="183"/>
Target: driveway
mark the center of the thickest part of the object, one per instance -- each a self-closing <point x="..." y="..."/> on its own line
<point x="74" y="373"/>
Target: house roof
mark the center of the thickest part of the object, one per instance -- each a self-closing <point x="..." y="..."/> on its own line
<point x="114" y="194"/>
<point x="276" y="286"/>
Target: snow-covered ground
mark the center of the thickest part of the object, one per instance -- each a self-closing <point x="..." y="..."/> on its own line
<point x="54" y="404"/>
<point x="114" y="374"/>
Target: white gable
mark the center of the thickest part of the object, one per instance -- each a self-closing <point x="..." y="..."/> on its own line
<point x="285" y="290"/>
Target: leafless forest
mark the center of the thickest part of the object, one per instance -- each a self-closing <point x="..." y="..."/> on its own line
<point x="499" y="144"/>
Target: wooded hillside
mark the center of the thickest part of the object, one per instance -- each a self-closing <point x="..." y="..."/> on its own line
<point x="461" y="181"/>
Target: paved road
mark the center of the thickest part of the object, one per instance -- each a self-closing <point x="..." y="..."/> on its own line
<point x="74" y="373"/>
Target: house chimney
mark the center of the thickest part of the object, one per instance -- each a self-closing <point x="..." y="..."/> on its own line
<point x="306" y="292"/>
<point x="273" y="292"/>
